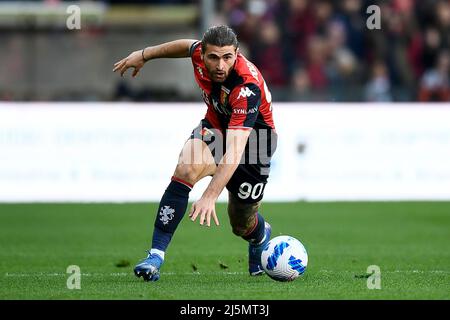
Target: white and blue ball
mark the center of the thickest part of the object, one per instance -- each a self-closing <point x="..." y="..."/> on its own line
<point x="284" y="258"/>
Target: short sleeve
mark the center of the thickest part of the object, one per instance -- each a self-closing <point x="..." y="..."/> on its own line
<point x="193" y="48"/>
<point x="245" y="101"/>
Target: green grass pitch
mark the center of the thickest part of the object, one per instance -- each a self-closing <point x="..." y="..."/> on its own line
<point x="409" y="241"/>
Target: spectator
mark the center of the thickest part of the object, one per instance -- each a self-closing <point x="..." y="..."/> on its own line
<point x="300" y="85"/>
<point x="443" y="21"/>
<point x="267" y="54"/>
<point x="355" y="25"/>
<point x="299" y="24"/>
<point x="331" y="43"/>
<point x="342" y="59"/>
<point x="432" y="45"/>
<point x="378" y="89"/>
<point x="316" y="63"/>
<point x="435" y="85"/>
<point x="323" y="12"/>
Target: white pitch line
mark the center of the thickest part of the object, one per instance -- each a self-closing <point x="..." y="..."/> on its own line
<point x="197" y="273"/>
<point x="120" y="274"/>
<point x="389" y="271"/>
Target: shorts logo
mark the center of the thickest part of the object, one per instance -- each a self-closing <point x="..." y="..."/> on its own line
<point x="205" y="132"/>
<point x="166" y="214"/>
<point x="246" y="92"/>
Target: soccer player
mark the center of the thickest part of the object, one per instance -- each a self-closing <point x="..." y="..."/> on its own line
<point x="233" y="143"/>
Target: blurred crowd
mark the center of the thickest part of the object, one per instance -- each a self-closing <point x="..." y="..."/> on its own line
<point x="323" y="50"/>
<point x="307" y="50"/>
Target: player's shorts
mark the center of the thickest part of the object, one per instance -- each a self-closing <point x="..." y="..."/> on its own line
<point x="250" y="178"/>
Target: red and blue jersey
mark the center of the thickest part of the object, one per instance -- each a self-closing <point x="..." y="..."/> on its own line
<point x="242" y="101"/>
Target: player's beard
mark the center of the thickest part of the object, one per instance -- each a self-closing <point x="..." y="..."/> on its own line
<point x="218" y="76"/>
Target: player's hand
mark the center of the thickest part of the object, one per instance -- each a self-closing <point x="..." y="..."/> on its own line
<point x="134" y="60"/>
<point x="205" y="207"/>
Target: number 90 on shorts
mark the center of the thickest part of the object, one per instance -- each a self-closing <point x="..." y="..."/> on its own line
<point x="249" y="191"/>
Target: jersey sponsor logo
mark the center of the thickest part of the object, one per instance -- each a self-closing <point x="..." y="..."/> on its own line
<point x="245" y="111"/>
<point x="245" y="93"/>
<point x="240" y="111"/>
<point x="253" y="110"/>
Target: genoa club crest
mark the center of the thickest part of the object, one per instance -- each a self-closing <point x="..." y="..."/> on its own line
<point x="224" y="96"/>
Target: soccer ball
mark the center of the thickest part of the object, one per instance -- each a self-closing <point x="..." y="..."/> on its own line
<point x="284" y="258"/>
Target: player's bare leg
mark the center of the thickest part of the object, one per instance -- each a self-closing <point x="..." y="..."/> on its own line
<point x="194" y="163"/>
<point x="242" y="216"/>
<point x="248" y="223"/>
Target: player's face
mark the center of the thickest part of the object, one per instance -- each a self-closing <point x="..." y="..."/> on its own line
<point x="219" y="61"/>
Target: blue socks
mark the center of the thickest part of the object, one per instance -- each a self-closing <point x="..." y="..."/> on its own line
<point x="256" y="236"/>
<point x="171" y="210"/>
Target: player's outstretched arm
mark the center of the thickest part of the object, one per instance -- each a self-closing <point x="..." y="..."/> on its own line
<point x="137" y="59"/>
<point x="205" y="206"/>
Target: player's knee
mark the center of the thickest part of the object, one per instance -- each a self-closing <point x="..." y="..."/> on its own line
<point x="189" y="173"/>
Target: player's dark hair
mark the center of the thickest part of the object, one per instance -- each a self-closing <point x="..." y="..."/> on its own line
<point x="220" y="36"/>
